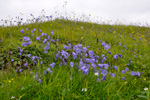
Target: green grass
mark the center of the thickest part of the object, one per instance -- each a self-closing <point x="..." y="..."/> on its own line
<point x="65" y="82"/>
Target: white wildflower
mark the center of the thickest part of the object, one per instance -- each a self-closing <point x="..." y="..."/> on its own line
<point x="96" y="74"/>
<point x="145" y="88"/>
<point x="84" y="89"/>
<point x="34" y="77"/>
<point x="70" y="78"/>
<point x="12" y="97"/>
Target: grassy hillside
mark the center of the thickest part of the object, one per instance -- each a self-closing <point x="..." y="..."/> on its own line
<point x="64" y="59"/>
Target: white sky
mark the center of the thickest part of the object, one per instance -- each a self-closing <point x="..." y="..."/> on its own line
<point x="127" y="11"/>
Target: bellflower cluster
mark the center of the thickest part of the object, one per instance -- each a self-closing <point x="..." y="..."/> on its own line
<point x="34" y="58"/>
<point x="74" y="55"/>
<point x="49" y="70"/>
<point x="33" y="30"/>
<point x="64" y="54"/>
<point x="52" y="65"/>
<point x="45" y="40"/>
<point x="106" y="46"/>
<point x="43" y="34"/>
<point x="91" y="53"/>
<point x="20" y="53"/>
<point x="135" y="73"/>
<point x="84" y="49"/>
<point x="84" y="59"/>
<point x="46" y="47"/>
<point x="27" y="41"/>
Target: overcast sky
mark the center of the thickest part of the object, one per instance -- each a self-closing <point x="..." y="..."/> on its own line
<point x="127" y="11"/>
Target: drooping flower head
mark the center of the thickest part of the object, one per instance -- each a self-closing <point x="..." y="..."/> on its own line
<point x="29" y="55"/>
<point x="103" y="43"/>
<point x="120" y="55"/>
<point x="41" y="62"/>
<point x="52" y="32"/>
<point x="12" y="60"/>
<point x="115" y="56"/>
<point x="52" y="65"/>
<point x="123" y="71"/>
<point x="44" y="72"/>
<point x="69" y="46"/>
<point x="92" y="60"/>
<point x="109" y="52"/>
<point x="106" y="47"/>
<point x="84" y="49"/>
<point x="106" y="66"/>
<point x="100" y="66"/>
<point x="48" y="69"/>
<point x="28" y="43"/>
<point x="91" y="53"/>
<point x="24" y="44"/>
<point x="26" y="39"/>
<point x="112" y="74"/>
<point x="71" y="64"/>
<point x="104" y="72"/>
<point x="93" y="66"/>
<point x="119" y="44"/>
<point x="79" y="45"/>
<point x="65" y="54"/>
<point x="126" y="69"/>
<point x="115" y="67"/>
<point x="38" y="38"/>
<point x="22" y="30"/>
<point x="123" y="78"/>
<point x="74" y="55"/>
<point x="25" y="64"/>
<point x="45" y="40"/>
<point x="135" y="73"/>
<point x="48" y="37"/>
<point x="78" y="50"/>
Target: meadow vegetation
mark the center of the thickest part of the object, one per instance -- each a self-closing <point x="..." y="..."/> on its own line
<point x="64" y="59"/>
